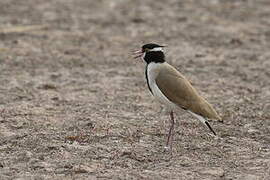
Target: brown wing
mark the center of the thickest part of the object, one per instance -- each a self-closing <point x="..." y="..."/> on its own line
<point x="179" y="90"/>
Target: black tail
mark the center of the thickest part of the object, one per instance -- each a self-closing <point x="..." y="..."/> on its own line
<point x="208" y="125"/>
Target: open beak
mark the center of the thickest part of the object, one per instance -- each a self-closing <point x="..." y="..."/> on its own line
<point x="137" y="54"/>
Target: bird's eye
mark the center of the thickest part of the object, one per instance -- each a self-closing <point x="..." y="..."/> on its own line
<point x="146" y="49"/>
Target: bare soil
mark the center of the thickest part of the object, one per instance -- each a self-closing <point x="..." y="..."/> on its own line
<point x="75" y="105"/>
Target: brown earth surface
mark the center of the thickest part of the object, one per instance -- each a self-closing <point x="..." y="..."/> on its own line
<point x="75" y="105"/>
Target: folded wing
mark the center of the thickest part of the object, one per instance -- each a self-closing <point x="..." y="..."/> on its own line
<point x="179" y="90"/>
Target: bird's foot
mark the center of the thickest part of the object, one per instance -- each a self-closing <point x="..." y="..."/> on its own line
<point x="166" y="148"/>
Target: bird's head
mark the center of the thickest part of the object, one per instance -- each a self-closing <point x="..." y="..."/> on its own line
<point x="151" y="53"/>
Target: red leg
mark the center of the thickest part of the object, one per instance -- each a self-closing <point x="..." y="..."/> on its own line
<point x="171" y="132"/>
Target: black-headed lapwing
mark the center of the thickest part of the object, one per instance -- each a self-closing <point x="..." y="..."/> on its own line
<point x="171" y="88"/>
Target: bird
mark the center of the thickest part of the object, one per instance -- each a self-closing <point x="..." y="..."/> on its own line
<point x="171" y="88"/>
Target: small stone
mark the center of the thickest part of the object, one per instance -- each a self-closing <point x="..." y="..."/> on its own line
<point x="85" y="169"/>
<point x="214" y="172"/>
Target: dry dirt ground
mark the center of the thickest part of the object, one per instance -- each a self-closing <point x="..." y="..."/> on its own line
<point x="75" y="105"/>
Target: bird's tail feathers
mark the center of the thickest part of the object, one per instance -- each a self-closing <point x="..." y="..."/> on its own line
<point x="204" y="121"/>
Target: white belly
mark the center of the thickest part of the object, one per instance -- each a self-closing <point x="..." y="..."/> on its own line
<point x="152" y="73"/>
